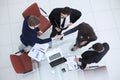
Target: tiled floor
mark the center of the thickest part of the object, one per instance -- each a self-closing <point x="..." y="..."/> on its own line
<point x="102" y="15"/>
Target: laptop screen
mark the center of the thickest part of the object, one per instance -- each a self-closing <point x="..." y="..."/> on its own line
<point x="55" y="56"/>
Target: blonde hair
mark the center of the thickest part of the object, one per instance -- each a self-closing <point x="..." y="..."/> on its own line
<point x="33" y="20"/>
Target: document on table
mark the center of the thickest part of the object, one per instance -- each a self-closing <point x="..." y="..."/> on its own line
<point x="38" y="50"/>
<point x="72" y="65"/>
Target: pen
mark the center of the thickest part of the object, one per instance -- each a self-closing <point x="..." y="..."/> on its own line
<point x="41" y="51"/>
<point x="77" y="62"/>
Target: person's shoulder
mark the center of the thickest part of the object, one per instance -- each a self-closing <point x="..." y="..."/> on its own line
<point x="106" y="44"/>
<point x="84" y="24"/>
<point x="26" y="18"/>
<point x="57" y="9"/>
<point x="89" y="51"/>
<point x="75" y="10"/>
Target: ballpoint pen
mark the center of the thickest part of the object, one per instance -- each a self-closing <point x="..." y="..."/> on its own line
<point x="77" y="62"/>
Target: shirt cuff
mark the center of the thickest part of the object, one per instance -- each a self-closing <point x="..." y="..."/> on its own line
<point x="52" y="39"/>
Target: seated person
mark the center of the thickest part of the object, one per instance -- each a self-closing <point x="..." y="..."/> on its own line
<point x="85" y="35"/>
<point x="59" y="16"/>
<point x="94" y="55"/>
<point x="30" y="30"/>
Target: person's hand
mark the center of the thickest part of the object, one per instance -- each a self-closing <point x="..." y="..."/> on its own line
<point x="82" y="43"/>
<point x="69" y="24"/>
<point x="58" y="29"/>
<point x="76" y="60"/>
<point x="57" y="37"/>
<point x="61" y="36"/>
<point x="39" y="33"/>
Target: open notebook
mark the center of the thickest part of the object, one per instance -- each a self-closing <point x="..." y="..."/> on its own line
<point x="38" y="50"/>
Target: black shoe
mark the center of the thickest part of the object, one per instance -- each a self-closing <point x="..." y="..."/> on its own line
<point x="74" y="48"/>
<point x="82" y="67"/>
<point x="61" y="38"/>
<point x="50" y="47"/>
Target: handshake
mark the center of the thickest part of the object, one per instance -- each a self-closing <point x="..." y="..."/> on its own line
<point x="58" y="37"/>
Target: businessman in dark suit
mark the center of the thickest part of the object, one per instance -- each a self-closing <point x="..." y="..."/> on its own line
<point x="85" y="35"/>
<point x="93" y="56"/>
<point x="58" y="17"/>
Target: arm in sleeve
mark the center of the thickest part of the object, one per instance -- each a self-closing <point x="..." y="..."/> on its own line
<point x="75" y="15"/>
<point x="52" y="18"/>
<point x="92" y="38"/>
<point x="87" y="61"/>
<point x="87" y="57"/>
<point x="41" y="41"/>
<point x="36" y="29"/>
<point x="71" y="30"/>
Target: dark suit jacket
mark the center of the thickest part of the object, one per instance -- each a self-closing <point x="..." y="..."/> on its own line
<point x="29" y="36"/>
<point x="93" y="56"/>
<point x="55" y="16"/>
<point x="81" y="33"/>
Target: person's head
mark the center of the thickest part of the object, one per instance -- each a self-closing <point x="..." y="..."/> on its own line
<point x="33" y="21"/>
<point x="98" y="47"/>
<point x="66" y="11"/>
<point x="86" y="30"/>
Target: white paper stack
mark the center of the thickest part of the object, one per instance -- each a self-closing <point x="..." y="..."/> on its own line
<point x="72" y="65"/>
<point x="38" y="50"/>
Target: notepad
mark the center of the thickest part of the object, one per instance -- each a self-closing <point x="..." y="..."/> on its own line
<point x="38" y="50"/>
<point x="72" y="65"/>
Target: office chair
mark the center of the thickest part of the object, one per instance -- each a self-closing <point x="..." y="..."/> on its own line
<point x="21" y="62"/>
<point x="35" y="10"/>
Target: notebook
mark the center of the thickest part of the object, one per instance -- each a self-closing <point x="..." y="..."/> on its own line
<point x="38" y="50"/>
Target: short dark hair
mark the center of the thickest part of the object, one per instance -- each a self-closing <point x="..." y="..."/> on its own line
<point x="33" y="20"/>
<point x="98" y="47"/>
<point x="66" y="10"/>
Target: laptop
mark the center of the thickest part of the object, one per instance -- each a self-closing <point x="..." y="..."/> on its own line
<point x="55" y="57"/>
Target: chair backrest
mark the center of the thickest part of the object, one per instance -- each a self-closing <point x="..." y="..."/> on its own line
<point x="34" y="10"/>
<point x="21" y="63"/>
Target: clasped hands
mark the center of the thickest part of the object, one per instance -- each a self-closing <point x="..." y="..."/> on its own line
<point x="39" y="33"/>
<point x="59" y="29"/>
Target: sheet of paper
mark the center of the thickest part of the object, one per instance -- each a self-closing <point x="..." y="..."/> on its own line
<point x="72" y="65"/>
<point x="53" y="52"/>
<point x="38" y="50"/>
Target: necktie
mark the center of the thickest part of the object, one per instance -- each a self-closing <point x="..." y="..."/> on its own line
<point x="63" y="23"/>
